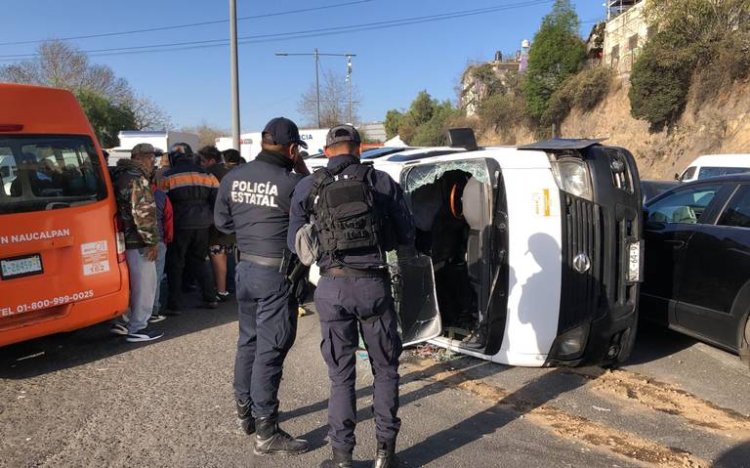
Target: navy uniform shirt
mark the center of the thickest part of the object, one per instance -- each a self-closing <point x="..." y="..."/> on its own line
<point x="254" y="201"/>
<point x="388" y="195"/>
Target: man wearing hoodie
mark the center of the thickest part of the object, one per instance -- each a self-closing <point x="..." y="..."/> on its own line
<point x="192" y="192"/>
<point x="136" y="210"/>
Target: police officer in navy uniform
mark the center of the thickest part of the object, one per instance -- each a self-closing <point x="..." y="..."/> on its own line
<point x="353" y="294"/>
<point x="253" y="203"/>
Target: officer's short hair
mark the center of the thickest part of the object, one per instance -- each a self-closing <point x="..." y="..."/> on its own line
<point x="349" y="146"/>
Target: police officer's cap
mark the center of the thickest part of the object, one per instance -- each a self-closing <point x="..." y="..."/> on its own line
<point x="283" y="131"/>
<point x="342" y="133"/>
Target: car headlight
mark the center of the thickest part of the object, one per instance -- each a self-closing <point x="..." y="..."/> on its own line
<point x="572" y="176"/>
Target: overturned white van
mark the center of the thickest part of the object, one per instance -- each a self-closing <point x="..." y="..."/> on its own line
<point x="528" y="256"/>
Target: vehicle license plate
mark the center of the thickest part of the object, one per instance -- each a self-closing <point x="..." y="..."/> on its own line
<point x="21" y="266"/>
<point x="634" y="262"/>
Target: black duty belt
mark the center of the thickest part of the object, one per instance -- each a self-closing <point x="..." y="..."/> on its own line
<point x="262" y="261"/>
<point x="343" y="272"/>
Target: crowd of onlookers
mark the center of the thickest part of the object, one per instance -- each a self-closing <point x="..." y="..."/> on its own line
<point x="172" y="245"/>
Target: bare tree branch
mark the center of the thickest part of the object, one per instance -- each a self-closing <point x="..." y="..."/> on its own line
<point x="207" y="134"/>
<point x="334" y="102"/>
<point x="62" y="65"/>
<point x="148" y="115"/>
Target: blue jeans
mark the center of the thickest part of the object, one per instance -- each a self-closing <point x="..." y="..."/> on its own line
<point x="160" y="286"/>
<point x="142" y="275"/>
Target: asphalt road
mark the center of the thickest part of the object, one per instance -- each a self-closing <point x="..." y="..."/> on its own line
<point x="89" y="399"/>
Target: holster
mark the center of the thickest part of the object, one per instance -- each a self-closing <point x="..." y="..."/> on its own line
<point x="298" y="279"/>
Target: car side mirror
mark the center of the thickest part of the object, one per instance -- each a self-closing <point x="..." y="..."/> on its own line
<point x="677" y="177"/>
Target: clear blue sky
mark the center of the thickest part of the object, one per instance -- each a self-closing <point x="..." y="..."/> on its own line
<point x="391" y="67"/>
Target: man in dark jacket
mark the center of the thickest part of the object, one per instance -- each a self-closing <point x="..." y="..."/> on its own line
<point x="136" y="211"/>
<point x="253" y="203"/>
<point x="192" y="192"/>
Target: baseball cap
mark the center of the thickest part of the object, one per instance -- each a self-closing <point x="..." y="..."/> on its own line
<point x="142" y="148"/>
<point x="284" y="131"/>
<point x="342" y="133"/>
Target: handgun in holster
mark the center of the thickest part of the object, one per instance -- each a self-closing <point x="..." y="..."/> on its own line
<point x="298" y="279"/>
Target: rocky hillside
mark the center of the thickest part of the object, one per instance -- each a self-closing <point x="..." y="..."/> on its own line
<point x="721" y="126"/>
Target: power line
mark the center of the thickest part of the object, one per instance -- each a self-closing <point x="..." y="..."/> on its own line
<point x="188" y="25"/>
<point x="319" y="32"/>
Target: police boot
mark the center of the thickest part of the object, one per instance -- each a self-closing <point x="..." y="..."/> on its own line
<point x="386" y="456"/>
<point x="271" y="440"/>
<point x="340" y="459"/>
<point x="244" y="413"/>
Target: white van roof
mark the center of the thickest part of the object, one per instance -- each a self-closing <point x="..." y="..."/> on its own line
<point x="723" y="160"/>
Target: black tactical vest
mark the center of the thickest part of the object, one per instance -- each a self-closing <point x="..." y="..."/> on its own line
<point x="344" y="211"/>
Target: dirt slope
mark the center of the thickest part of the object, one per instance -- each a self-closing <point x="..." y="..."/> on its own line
<point x="720" y="126"/>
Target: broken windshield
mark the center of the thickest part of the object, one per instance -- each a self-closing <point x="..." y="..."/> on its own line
<point x="427" y="174"/>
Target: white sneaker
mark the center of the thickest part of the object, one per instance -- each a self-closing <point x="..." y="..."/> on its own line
<point x="143" y="335"/>
<point x="156" y="318"/>
<point x="119" y="329"/>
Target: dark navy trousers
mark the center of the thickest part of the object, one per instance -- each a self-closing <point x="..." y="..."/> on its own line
<point x="268" y="327"/>
<point x="348" y="307"/>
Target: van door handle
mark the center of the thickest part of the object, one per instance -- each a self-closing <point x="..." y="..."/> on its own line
<point x="676" y="244"/>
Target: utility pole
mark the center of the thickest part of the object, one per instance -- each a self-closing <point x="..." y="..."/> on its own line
<point x="317" y="56"/>
<point x="349" y="81"/>
<point x="317" y="81"/>
<point x="235" y="83"/>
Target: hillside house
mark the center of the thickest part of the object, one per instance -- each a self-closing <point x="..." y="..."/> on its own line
<point x="479" y="80"/>
<point x="625" y="33"/>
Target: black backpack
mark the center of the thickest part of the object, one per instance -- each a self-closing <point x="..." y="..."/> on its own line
<point x="344" y="211"/>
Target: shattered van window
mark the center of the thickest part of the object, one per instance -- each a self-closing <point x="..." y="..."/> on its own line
<point x="423" y="175"/>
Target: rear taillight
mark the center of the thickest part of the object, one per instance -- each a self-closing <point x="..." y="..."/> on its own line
<point x="120" y="239"/>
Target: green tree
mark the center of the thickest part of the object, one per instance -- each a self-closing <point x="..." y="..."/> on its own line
<point x="434" y="131"/>
<point x="660" y="82"/>
<point x="502" y="112"/>
<point x="701" y="48"/>
<point x="422" y="108"/>
<point x="106" y="117"/>
<point x="425" y="123"/>
<point x="556" y="53"/>
<point x="392" y="122"/>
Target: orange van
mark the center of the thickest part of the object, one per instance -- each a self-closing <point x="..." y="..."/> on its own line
<point x="62" y="259"/>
